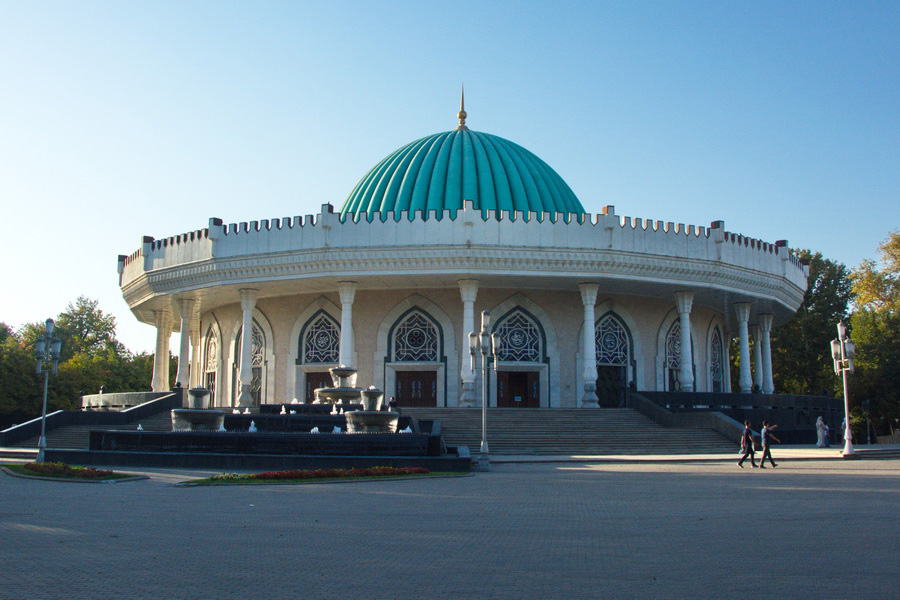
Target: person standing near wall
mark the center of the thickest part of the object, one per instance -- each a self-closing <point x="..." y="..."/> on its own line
<point x="747" y="446"/>
<point x="766" y="436"/>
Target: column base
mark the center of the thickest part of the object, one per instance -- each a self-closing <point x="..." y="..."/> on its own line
<point x="589" y="399"/>
<point x="467" y="397"/>
<point x="246" y="398"/>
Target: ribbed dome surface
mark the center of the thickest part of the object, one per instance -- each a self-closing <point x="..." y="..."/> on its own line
<point x="440" y="171"/>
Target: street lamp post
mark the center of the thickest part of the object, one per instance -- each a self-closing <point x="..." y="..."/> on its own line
<point x="842" y="351"/>
<point x="482" y="343"/>
<point x="46" y="350"/>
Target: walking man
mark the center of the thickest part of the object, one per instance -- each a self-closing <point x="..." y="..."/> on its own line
<point x="747" y="446"/>
<point x="766" y="435"/>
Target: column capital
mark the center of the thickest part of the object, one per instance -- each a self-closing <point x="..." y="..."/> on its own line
<point x="248" y="298"/>
<point x="588" y="292"/>
<point x="684" y="300"/>
<point x="347" y="290"/>
<point x="742" y="311"/>
<point x="468" y="289"/>
<point x="185" y="307"/>
<point x="765" y="322"/>
<point x="162" y="319"/>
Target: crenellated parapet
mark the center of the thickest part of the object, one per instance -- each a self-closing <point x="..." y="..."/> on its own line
<point x="464" y="242"/>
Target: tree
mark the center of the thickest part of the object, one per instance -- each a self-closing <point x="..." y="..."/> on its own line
<point x="875" y="328"/>
<point x="83" y="327"/>
<point x="801" y="355"/>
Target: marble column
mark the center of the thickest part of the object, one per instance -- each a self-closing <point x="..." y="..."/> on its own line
<point x="757" y="358"/>
<point x="347" y="290"/>
<point x="468" y="290"/>
<point x="161" y="356"/>
<point x="684" y="300"/>
<point x="765" y="328"/>
<point x="196" y="369"/>
<point x="186" y="312"/>
<point x="742" y="310"/>
<point x="245" y="372"/>
<point x="589" y="349"/>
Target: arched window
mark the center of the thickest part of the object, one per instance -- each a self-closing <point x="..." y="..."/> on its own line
<point x="716" y="362"/>
<point x="321" y="341"/>
<point x="673" y="355"/>
<point x="611" y="340"/>
<point x="211" y="364"/>
<point x="257" y="364"/>
<point x="415" y="339"/>
<point x="520" y="339"/>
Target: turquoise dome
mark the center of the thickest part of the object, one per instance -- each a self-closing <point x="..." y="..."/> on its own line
<point x="438" y="172"/>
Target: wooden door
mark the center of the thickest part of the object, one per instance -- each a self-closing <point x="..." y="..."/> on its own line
<point x="416" y="388"/>
<point x="611" y="386"/>
<point x="518" y="389"/>
<point x="314" y="381"/>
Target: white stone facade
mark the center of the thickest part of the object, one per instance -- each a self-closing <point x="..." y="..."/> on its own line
<point x="421" y="276"/>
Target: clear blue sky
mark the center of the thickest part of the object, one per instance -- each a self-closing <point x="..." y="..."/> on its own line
<point x="124" y="119"/>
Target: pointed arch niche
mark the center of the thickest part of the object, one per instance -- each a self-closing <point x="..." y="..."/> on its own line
<point x="668" y="351"/>
<point x="634" y="368"/>
<point x="417" y="336"/>
<point x="212" y="359"/>
<point x="530" y="346"/>
<point x="264" y="361"/>
<point x="718" y="363"/>
<point x="313" y="347"/>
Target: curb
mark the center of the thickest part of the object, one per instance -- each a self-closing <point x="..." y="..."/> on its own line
<point x="73" y="480"/>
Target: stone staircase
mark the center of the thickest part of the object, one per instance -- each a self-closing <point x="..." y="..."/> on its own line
<point x="570" y="431"/>
<point x="78" y="436"/>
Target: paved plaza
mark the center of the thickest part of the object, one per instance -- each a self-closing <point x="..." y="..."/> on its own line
<point x="808" y="529"/>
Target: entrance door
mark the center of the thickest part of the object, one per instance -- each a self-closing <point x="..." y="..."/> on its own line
<point x="611" y="386"/>
<point x="416" y="388"/>
<point x="314" y="381"/>
<point x="518" y="389"/>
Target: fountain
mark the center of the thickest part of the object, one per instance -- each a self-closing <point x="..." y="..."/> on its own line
<point x="371" y="419"/>
<point x="342" y="392"/>
<point x="197" y="416"/>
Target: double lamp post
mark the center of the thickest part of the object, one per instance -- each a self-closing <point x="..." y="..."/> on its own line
<point x="842" y="351"/>
<point x="46" y="350"/>
<point x="487" y="345"/>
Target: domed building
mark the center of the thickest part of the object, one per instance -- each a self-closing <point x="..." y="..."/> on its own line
<point x="582" y="306"/>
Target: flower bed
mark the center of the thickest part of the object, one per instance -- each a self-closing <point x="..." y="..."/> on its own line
<point x="59" y="469"/>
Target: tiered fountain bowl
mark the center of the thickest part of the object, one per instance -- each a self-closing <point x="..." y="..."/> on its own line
<point x="342" y="392"/>
<point x="371" y="419"/>
<point x="197" y="416"/>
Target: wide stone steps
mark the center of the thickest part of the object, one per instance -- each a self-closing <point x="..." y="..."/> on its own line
<point x="570" y="431"/>
<point x="78" y="436"/>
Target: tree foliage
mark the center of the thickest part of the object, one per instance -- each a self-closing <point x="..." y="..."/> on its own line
<point x="801" y="354"/>
<point x="91" y="357"/>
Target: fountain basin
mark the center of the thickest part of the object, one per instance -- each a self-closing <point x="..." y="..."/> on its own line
<point x="198" y="398"/>
<point x="370" y="421"/>
<point x="194" y="419"/>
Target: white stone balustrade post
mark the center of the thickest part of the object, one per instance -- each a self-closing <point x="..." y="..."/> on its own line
<point x="161" y="356"/>
<point x="347" y="290"/>
<point x="468" y="291"/>
<point x="185" y="311"/>
<point x="589" y="350"/>
<point x="765" y="328"/>
<point x="683" y="301"/>
<point x="742" y="310"/>
<point x="245" y="372"/>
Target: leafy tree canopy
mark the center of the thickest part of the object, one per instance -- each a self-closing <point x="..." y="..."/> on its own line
<point x="880" y="288"/>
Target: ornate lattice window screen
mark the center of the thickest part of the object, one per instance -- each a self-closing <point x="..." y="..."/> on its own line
<point x="673" y="346"/>
<point x="257" y="347"/>
<point x="212" y="352"/>
<point x="611" y="342"/>
<point x="520" y="339"/>
<point x="716" y="361"/>
<point x="416" y="340"/>
<point x="322" y="342"/>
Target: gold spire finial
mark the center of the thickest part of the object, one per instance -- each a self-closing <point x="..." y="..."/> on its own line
<point x="461" y="115"/>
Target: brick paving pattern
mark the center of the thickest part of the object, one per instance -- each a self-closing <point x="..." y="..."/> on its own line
<point x="810" y="529"/>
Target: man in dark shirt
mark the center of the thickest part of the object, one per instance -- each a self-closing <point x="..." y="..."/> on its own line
<point x="747" y="446"/>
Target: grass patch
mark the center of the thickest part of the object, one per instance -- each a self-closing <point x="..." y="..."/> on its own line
<point x="60" y="470"/>
<point x="317" y="475"/>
